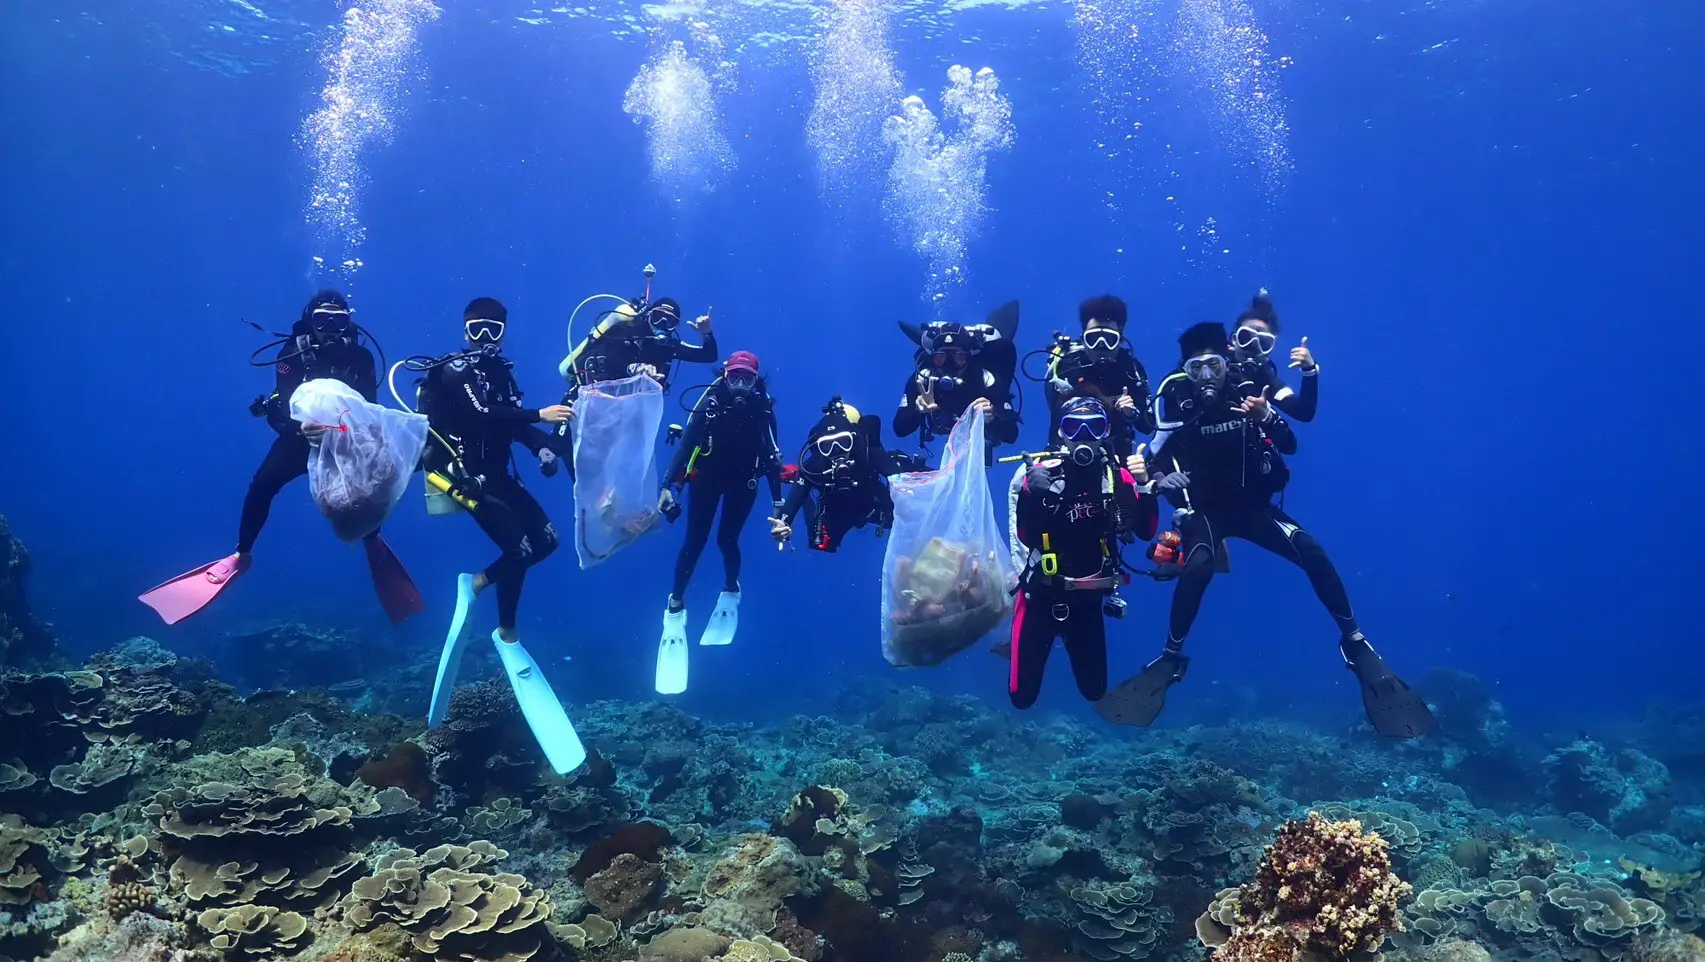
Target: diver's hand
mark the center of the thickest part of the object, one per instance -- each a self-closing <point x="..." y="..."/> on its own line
<point x="702" y="322"/>
<point x="665" y="501"/>
<point x="648" y="371"/>
<point x="1302" y="357"/>
<point x="983" y="404"/>
<point x="1257" y="408"/>
<point x="557" y="414"/>
<point x="1126" y="404"/>
<point x="1138" y="465"/>
<point x="926" y="396"/>
<point x="780" y="530"/>
<point x="1176" y="481"/>
<point x="549" y="463"/>
<point x="314" y="432"/>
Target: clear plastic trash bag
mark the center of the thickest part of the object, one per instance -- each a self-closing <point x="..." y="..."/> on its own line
<point x="360" y="468"/>
<point x="615" y="465"/>
<point x="947" y="572"/>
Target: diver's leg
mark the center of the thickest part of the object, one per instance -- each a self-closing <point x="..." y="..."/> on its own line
<point x="1033" y="630"/>
<point x="285" y="461"/>
<point x="702" y="496"/>
<point x="736" y="508"/>
<point x="1085" y="634"/>
<point x="1277" y="532"/>
<point x="1199" y="543"/>
<point x="504" y="525"/>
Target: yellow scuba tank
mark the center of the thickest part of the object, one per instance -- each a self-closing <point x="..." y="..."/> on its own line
<point x="442" y="497"/>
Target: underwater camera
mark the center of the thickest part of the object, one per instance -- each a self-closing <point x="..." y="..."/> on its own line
<point x="1113" y="607"/>
<point x="673" y="512"/>
<point x="258" y="407"/>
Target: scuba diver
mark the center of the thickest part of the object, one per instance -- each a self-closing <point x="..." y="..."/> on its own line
<point x="840" y="480"/>
<point x="641" y="336"/>
<point x="1227" y="458"/>
<point x="728" y="444"/>
<point x="957" y="367"/>
<point x="325" y="342"/>
<point x="1253" y="368"/>
<point x="474" y="406"/>
<point x="1099" y="364"/>
<point x="1074" y="508"/>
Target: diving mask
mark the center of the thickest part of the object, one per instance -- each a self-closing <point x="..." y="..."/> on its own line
<point x="330" y="319"/>
<point x="1206" y="367"/>
<point x="485" y="330"/>
<point x="1102" y="339"/>
<point x="664" y="318"/>
<point x="830" y="445"/>
<point x="1087" y="425"/>
<point x="1254" y="339"/>
<point x="740" y="380"/>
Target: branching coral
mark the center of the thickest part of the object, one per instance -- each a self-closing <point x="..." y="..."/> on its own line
<point x="1322" y="886"/>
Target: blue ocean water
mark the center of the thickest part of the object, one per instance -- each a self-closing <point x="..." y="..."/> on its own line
<point x="1482" y="214"/>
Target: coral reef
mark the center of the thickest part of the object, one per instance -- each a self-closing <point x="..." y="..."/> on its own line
<point x="156" y="815"/>
<point x="1323" y="887"/>
<point x="25" y="640"/>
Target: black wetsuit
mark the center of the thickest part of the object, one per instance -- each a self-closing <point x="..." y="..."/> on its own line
<point x="618" y="354"/>
<point x="1236" y="467"/>
<point x="973" y="383"/>
<point x="475" y="405"/>
<point x="1256" y="373"/>
<point x="300" y="359"/>
<point x="1076" y="520"/>
<point x="726" y="447"/>
<point x="1079" y="371"/>
<point x="838" y="497"/>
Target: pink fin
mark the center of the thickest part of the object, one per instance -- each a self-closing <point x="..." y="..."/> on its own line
<point x="191" y="591"/>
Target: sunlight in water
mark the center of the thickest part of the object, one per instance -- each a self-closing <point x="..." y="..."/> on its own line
<point x="856" y="87"/>
<point x="674" y="98"/>
<point x="366" y="64"/>
<point x="938" y="182"/>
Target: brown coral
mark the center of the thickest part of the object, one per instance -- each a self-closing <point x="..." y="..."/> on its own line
<point x="450" y="907"/>
<point x="1322" y="886"/>
<point x="20" y="868"/>
<point x="254" y="931"/>
<point x="620" y="891"/>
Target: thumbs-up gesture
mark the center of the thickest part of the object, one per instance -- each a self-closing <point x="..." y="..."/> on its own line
<point x="1126" y="404"/>
<point x="1302" y="357"/>
<point x="1138" y="464"/>
<point x="1257" y="408"/>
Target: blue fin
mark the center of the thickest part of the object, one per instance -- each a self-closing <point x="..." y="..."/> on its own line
<point x="539" y="704"/>
<point x="451" y="660"/>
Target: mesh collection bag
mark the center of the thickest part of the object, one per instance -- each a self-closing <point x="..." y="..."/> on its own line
<point x="360" y="468"/>
<point x="615" y="465"/>
<point x="947" y="570"/>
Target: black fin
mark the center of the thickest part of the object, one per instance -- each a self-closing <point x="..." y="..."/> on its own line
<point x="1394" y="709"/>
<point x="913" y="331"/>
<point x="1005" y="320"/>
<point x="1138" y="700"/>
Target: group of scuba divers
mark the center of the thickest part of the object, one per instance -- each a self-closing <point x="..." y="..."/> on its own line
<point x="1210" y="440"/>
